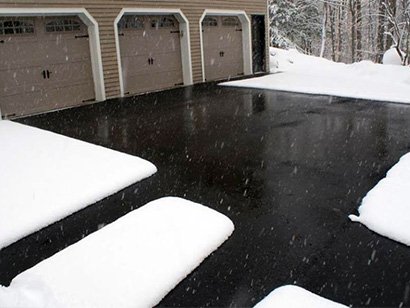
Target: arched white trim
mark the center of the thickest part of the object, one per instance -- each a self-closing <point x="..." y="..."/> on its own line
<point x="93" y="32"/>
<point x="184" y="39"/>
<point x="246" y="37"/>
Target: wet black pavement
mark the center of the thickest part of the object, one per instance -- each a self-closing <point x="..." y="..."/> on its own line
<point x="286" y="168"/>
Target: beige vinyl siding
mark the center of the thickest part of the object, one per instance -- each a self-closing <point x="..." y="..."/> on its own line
<point x="105" y="12"/>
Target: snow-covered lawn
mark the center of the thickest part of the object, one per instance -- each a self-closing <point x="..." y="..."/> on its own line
<point x="386" y="208"/>
<point x="295" y="297"/>
<point x="295" y="72"/>
<point x="45" y="177"/>
<point x="133" y="262"/>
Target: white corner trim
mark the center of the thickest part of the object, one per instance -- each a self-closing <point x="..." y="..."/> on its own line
<point x="117" y="50"/>
<point x="246" y="37"/>
<point x="93" y="32"/>
<point x="184" y="40"/>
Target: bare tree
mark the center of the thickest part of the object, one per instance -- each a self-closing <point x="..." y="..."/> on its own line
<point x="380" y="31"/>
<point x="343" y="30"/>
<point x="324" y="29"/>
<point x="399" y="27"/>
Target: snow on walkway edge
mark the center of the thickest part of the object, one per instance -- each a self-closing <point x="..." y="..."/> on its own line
<point x="132" y="262"/>
<point x="45" y="177"/>
<point x="386" y="209"/>
<point x="291" y="296"/>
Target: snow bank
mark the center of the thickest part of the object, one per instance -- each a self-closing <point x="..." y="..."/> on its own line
<point x="386" y="208"/>
<point x="45" y="177"/>
<point x="133" y="262"/>
<point x="295" y="297"/>
<point x="295" y="72"/>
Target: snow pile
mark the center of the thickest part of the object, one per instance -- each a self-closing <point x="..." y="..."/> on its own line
<point x="133" y="262"/>
<point x="296" y="72"/>
<point x="45" y="177"/>
<point x="295" y="297"/>
<point x="391" y="57"/>
<point x="386" y="208"/>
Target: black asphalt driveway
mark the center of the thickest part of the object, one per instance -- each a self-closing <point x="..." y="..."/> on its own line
<point x="286" y="168"/>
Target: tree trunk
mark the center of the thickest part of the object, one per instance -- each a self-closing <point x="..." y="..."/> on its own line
<point x="358" y="21"/>
<point x="339" y="30"/>
<point x="332" y="13"/>
<point x="324" y="23"/>
<point x="380" y="32"/>
<point x="392" y="7"/>
<point x="352" y="9"/>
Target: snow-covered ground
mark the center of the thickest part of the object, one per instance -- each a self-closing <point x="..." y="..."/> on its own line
<point x="295" y="72"/>
<point x="133" y="262"/>
<point x="45" y="177"/>
<point x="295" y="297"/>
<point x="386" y="208"/>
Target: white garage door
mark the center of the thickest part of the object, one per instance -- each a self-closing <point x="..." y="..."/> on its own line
<point x="150" y="53"/>
<point x="44" y="64"/>
<point x="222" y="46"/>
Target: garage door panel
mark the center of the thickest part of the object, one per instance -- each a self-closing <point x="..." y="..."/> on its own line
<point x="135" y="65"/>
<point x="20" y="80"/>
<point x="22" y="103"/>
<point x="64" y="95"/>
<point x="61" y="49"/>
<point x="232" y="55"/>
<point x="169" y="78"/>
<point x="45" y="69"/>
<point x="69" y="73"/>
<point x="233" y="69"/>
<point x="151" y="62"/>
<point x="212" y="39"/>
<point x="133" y="44"/>
<point x="164" y="42"/>
<point x="166" y="61"/>
<point x="19" y="54"/>
<point x="139" y="83"/>
<point x="213" y="57"/>
<point x="231" y="38"/>
<point x="222" y="45"/>
<point x="214" y="72"/>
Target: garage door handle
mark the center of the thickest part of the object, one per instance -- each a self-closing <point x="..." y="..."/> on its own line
<point x="48" y="74"/>
<point x="44" y="74"/>
<point x="1" y="42"/>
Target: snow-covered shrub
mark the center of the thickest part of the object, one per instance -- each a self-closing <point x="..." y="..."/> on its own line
<point x="392" y="57"/>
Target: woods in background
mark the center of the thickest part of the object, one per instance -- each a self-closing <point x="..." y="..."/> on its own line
<point x="342" y="30"/>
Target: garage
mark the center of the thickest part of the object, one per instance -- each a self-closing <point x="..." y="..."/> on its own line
<point x="45" y="64"/>
<point x="150" y="49"/>
<point x="222" y="47"/>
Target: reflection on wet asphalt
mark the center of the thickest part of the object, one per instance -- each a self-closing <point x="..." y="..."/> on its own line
<point x="286" y="168"/>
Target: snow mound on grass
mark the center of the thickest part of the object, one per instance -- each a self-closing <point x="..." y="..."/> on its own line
<point x="295" y="297"/>
<point x="45" y="177"/>
<point x="133" y="262"/>
<point x="386" y="208"/>
<point x="296" y="72"/>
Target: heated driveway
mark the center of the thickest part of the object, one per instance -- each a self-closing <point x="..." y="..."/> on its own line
<point x="286" y="168"/>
